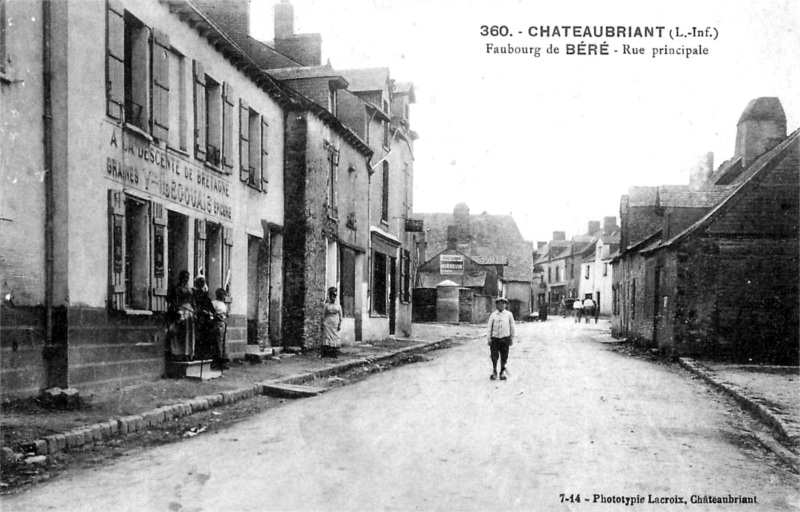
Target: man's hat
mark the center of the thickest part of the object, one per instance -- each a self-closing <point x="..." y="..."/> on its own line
<point x="501" y="299"/>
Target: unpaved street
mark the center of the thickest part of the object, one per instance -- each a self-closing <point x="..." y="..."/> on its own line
<point x="575" y="418"/>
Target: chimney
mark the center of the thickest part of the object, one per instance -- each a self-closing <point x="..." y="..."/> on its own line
<point x="461" y="219"/>
<point x="559" y="235"/>
<point x="761" y="127"/>
<point x="701" y="171"/>
<point x="609" y="225"/>
<point x="594" y="227"/>
<point x="232" y="16"/>
<point x="452" y="237"/>
<point x="284" y="19"/>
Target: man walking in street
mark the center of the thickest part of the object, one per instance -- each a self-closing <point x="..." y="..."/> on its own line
<point x="589" y="309"/>
<point x="501" y="337"/>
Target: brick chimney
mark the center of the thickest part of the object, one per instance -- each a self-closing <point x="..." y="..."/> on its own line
<point x="761" y="127"/>
<point x="303" y="48"/>
<point x="284" y="19"/>
<point x="594" y="227"/>
<point x="559" y="235"/>
<point x="609" y="225"/>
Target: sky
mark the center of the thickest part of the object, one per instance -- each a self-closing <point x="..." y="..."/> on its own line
<point x="555" y="140"/>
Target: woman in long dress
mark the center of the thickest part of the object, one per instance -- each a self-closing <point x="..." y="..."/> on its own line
<point x="331" y="325"/>
<point x="182" y="325"/>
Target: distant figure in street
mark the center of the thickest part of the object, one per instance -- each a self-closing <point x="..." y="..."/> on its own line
<point x="331" y="325"/>
<point x="577" y="310"/>
<point x="501" y="337"/>
<point x="589" y="309"/>
<point x="219" y="330"/>
<point x="542" y="311"/>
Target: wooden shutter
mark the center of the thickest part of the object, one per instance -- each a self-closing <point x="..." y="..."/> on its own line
<point x="244" y="140"/>
<point x="199" y="111"/>
<point x="116" y="293"/>
<point x="115" y="59"/>
<point x="200" y="248"/>
<point x="160" y="85"/>
<point x="227" y="127"/>
<point x="227" y="250"/>
<point x="264" y="154"/>
<point x="158" y="261"/>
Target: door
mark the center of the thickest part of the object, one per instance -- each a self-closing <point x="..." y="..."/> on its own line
<point x="392" y="294"/>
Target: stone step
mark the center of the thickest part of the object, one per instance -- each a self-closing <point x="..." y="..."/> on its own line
<point x="200" y="369"/>
<point x="290" y="390"/>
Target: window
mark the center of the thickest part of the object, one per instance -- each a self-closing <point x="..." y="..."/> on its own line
<point x="253" y="130"/>
<point x="177" y="98"/>
<point x="385" y="134"/>
<point x="332" y="99"/>
<point x="137" y="73"/>
<point x="549" y="275"/>
<point x="605" y="269"/>
<point x="572" y="270"/>
<point x="333" y="177"/>
<point x="347" y="281"/>
<point x="136" y="67"/>
<point x="385" y="193"/>
<point x="138" y="264"/>
<point x="213" y="120"/>
<point x="588" y="271"/>
<point x="558" y="274"/>
<point x="379" y="283"/>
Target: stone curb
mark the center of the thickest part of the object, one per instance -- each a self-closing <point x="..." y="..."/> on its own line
<point x="750" y="403"/>
<point x="88" y="434"/>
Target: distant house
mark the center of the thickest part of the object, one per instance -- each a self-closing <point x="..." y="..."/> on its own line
<point x="718" y="271"/>
<point x="492" y="241"/>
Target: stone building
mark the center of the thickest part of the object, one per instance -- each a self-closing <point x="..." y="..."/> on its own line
<point x="493" y="241"/>
<point x="719" y="273"/>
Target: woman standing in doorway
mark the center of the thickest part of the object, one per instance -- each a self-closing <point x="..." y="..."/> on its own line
<point x="331" y="325"/>
<point x="181" y="328"/>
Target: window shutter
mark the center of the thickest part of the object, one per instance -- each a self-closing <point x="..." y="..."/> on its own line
<point x="115" y="58"/>
<point x="264" y="154"/>
<point x="116" y="293"/>
<point x="227" y="127"/>
<point x="199" y="111"/>
<point x="160" y="85"/>
<point x="244" y="140"/>
<point x="199" y="247"/>
<point x="227" y="248"/>
<point x="158" y="263"/>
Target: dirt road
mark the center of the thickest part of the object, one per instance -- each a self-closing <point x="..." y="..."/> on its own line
<point x="577" y="426"/>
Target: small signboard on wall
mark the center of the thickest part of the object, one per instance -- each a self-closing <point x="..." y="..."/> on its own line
<point x="451" y="264"/>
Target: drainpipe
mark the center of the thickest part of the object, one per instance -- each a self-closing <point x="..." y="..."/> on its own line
<point x="47" y="144"/>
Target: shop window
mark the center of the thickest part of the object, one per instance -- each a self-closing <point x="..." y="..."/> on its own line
<point x="379" y="283"/>
<point x="385" y="193"/>
<point x="213" y="263"/>
<point x="139" y="257"/>
<point x="405" y="276"/>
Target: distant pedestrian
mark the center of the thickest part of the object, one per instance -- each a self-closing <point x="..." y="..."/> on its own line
<point x="589" y="309"/>
<point x="180" y="331"/>
<point x="501" y="337"/>
<point x="577" y="310"/>
<point x="331" y="325"/>
<point x="542" y="311"/>
<point x="204" y="318"/>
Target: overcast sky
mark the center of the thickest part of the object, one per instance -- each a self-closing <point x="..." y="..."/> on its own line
<point x="555" y="140"/>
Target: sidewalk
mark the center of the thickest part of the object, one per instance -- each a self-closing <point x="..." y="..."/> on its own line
<point x="771" y="393"/>
<point x="31" y="429"/>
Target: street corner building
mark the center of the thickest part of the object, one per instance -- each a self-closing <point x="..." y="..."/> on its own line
<point x="144" y="138"/>
<point x="711" y="268"/>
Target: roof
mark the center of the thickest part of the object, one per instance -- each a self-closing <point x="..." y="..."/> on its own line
<point x="405" y="88"/>
<point x="468" y="280"/>
<point x="494" y="240"/>
<point x="765" y="161"/>
<point x="307" y="72"/>
<point x="642" y="196"/>
<point x="366" y="79"/>
<point x="683" y="196"/>
<point x="196" y="18"/>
